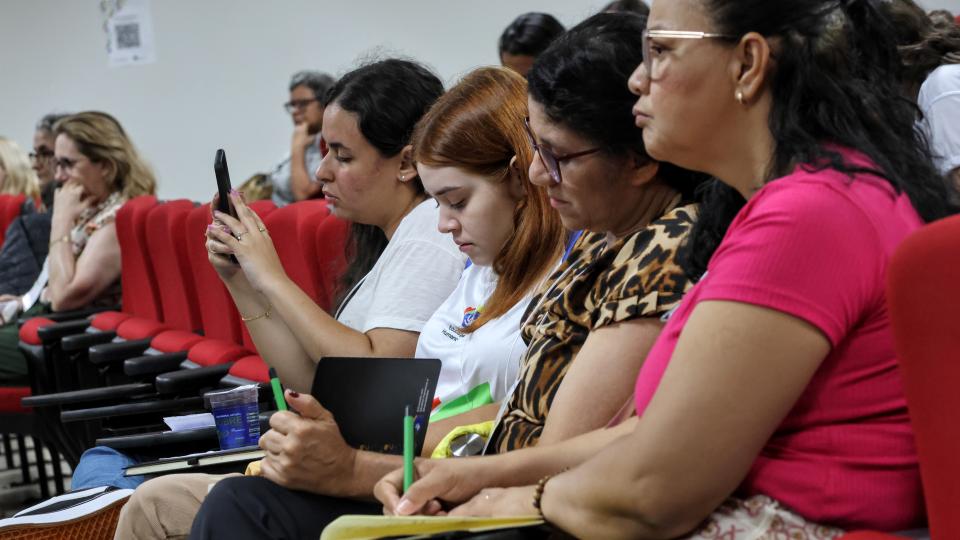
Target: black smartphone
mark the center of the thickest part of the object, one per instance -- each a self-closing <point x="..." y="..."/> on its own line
<point x="223" y="187"/>
<point x="223" y="183"/>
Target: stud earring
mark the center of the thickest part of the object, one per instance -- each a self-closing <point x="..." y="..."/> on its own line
<point x="739" y="96"/>
<point x="403" y="178"/>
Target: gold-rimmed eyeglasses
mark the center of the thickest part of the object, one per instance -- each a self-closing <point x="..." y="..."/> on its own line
<point x="649" y="63"/>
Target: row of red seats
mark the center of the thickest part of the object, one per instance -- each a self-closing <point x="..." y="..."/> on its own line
<point x="176" y="313"/>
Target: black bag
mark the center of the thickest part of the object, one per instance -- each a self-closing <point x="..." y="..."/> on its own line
<point x="24" y="249"/>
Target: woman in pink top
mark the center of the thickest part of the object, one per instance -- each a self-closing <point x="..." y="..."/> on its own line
<point x="771" y="405"/>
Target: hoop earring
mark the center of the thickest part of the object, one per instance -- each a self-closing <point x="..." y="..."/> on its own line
<point x="740" y="98"/>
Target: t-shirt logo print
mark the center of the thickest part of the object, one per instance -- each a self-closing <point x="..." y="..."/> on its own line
<point x="469" y="315"/>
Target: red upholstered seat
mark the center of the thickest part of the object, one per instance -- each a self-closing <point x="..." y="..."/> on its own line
<point x="251" y="368"/>
<point x="10" y="397"/>
<point x="28" y="332"/>
<point x="140" y="328"/>
<point x="109" y="321"/>
<point x="175" y="340"/>
<point x="211" y="352"/>
<point x="10" y="206"/>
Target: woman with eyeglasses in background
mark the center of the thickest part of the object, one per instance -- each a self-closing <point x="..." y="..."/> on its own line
<point x="772" y="404"/>
<point x="99" y="169"/>
<point x="293" y="179"/>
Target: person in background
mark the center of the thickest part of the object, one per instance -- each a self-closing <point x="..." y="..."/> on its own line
<point x="634" y="6"/>
<point x="292" y="179"/>
<point x="931" y="75"/>
<point x="42" y="157"/>
<point x="525" y="38"/>
<point x="942" y="18"/>
<point x="17" y="177"/>
<point x="100" y="170"/>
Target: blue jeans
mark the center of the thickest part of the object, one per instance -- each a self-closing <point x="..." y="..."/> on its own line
<point x="103" y="466"/>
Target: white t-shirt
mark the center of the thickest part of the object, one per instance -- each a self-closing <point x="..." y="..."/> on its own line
<point x="479" y="367"/>
<point x="939" y="100"/>
<point x="415" y="273"/>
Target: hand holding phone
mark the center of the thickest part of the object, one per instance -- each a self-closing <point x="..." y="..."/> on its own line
<point x="223" y="187"/>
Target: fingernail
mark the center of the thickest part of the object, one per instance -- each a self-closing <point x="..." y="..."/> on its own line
<point x="405" y="507"/>
<point x="293" y="393"/>
<point x="234" y="192"/>
<point x="210" y="227"/>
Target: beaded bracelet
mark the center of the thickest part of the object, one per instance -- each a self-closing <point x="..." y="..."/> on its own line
<point x="265" y="314"/>
<point x="538" y="494"/>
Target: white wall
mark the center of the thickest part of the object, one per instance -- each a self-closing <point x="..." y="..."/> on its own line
<point x="223" y="65"/>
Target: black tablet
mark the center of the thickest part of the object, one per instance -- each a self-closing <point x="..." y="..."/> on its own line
<point x="367" y="397"/>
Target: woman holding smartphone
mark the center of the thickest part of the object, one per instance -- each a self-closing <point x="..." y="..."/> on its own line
<point x="369" y="178"/>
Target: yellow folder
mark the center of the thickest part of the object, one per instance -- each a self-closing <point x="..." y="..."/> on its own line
<point x="363" y="527"/>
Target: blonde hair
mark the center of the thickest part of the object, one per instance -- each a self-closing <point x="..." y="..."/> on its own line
<point x="101" y="139"/>
<point x="20" y="179"/>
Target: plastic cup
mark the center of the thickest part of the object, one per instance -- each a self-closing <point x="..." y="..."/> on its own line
<point x="237" y="416"/>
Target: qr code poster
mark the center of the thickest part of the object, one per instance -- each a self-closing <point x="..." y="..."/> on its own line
<point x="129" y="33"/>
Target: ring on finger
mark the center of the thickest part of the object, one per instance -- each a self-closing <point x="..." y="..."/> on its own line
<point x="240" y="235"/>
<point x="261" y="228"/>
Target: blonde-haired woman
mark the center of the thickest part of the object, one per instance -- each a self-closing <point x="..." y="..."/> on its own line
<point x="99" y="169"/>
<point x="17" y="177"/>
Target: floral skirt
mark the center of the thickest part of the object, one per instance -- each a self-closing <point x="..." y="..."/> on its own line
<point x="759" y="518"/>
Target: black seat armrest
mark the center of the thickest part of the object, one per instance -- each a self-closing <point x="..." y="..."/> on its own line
<point x="55" y="332"/>
<point x="179" y="382"/>
<point x="114" y="353"/>
<point x="153" y="364"/>
<point x="129" y="409"/>
<point x="79" y="342"/>
<point x="87" y="395"/>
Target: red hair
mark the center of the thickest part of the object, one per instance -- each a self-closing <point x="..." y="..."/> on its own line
<point x="477" y="126"/>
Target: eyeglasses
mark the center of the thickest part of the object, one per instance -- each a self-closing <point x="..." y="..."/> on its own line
<point x="64" y="163"/>
<point x="41" y="154"/>
<point x="295" y="104"/>
<point x="648" y="59"/>
<point x="551" y="162"/>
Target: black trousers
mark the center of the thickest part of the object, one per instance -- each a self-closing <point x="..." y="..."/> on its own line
<point x="256" y="508"/>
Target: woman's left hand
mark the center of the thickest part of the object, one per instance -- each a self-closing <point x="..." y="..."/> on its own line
<point x="306" y="451"/>
<point x="499" y="502"/>
<point x="250" y="243"/>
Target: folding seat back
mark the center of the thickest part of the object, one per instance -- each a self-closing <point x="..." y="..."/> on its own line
<point x="330" y="253"/>
<point x="10" y="206"/>
<point x="923" y="296"/>
<point x="166" y="230"/>
<point x="140" y="294"/>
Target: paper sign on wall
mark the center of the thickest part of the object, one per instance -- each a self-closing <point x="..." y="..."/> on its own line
<point x="129" y="29"/>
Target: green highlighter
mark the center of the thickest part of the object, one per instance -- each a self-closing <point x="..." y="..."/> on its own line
<point x="407" y="449"/>
<point x="277" y="390"/>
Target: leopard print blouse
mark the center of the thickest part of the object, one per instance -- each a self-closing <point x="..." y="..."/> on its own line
<point x="597" y="285"/>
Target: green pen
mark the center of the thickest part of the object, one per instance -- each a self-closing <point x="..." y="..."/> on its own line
<point x="277" y="390"/>
<point x="407" y="449"/>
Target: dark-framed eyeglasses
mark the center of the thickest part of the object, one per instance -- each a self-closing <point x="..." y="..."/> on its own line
<point x="649" y="61"/>
<point x="64" y="163"/>
<point x="41" y="154"/>
<point x="295" y="104"/>
<point x="551" y="161"/>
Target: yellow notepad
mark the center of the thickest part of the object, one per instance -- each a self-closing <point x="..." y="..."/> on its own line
<point x="363" y="527"/>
